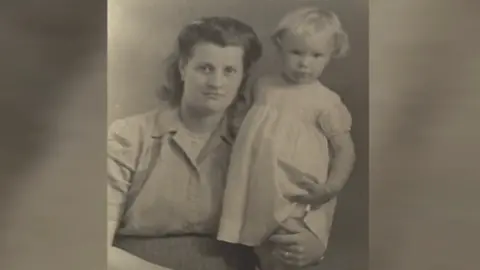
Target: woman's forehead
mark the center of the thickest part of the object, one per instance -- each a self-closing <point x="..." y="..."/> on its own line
<point x="209" y="52"/>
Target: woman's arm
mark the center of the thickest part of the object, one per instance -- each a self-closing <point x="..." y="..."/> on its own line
<point x="119" y="259"/>
<point x="122" y="152"/>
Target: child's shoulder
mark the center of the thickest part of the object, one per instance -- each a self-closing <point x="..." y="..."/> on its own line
<point x="268" y="80"/>
<point x="328" y="94"/>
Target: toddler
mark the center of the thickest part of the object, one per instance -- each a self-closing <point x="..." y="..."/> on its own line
<point x="282" y="177"/>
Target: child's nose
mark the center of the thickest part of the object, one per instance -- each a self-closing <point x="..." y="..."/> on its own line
<point x="304" y="62"/>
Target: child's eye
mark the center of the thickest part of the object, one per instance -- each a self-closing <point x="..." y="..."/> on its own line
<point x="318" y="55"/>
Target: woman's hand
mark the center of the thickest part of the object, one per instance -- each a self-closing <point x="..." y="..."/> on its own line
<point x="298" y="249"/>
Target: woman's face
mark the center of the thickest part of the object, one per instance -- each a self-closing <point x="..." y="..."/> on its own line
<point x="212" y="77"/>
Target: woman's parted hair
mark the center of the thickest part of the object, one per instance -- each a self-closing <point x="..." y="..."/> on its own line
<point x="221" y="31"/>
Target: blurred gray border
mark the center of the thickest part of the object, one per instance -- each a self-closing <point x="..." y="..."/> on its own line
<point x="424" y="103"/>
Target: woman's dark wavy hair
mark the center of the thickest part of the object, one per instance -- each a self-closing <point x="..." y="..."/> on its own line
<point x="221" y="31"/>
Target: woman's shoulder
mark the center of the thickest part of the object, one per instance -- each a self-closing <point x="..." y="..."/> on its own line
<point x="129" y="135"/>
<point x="142" y="126"/>
<point x="134" y="123"/>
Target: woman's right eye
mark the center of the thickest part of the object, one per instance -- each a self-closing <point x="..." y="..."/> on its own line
<point x="205" y="68"/>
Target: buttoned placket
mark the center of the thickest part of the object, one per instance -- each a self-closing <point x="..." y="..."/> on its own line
<point x="174" y="129"/>
<point x="195" y="163"/>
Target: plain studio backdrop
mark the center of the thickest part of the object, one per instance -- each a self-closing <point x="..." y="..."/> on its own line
<point x="424" y="108"/>
<point x="142" y="34"/>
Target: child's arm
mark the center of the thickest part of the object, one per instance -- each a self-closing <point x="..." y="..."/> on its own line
<point x="335" y="124"/>
<point x="342" y="162"/>
<point x="341" y="167"/>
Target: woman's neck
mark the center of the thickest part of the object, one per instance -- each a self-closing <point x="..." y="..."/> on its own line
<point x="199" y="123"/>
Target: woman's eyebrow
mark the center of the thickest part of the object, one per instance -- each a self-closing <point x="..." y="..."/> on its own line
<point x="204" y="63"/>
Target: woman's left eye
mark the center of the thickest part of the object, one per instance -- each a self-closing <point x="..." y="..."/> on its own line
<point x="296" y="52"/>
<point x="230" y="71"/>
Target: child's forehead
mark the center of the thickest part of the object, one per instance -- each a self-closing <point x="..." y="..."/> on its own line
<point x="314" y="40"/>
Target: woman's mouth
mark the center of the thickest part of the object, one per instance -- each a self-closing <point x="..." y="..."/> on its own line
<point x="213" y="95"/>
<point x="301" y="74"/>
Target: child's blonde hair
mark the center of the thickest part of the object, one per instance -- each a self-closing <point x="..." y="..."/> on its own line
<point x="311" y="20"/>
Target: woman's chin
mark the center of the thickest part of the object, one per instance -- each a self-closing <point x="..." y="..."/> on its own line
<point x="212" y="106"/>
<point x="208" y="109"/>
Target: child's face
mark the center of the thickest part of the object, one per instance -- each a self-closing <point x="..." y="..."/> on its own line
<point x="305" y="56"/>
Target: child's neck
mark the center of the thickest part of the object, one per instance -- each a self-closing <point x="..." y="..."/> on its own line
<point x="292" y="82"/>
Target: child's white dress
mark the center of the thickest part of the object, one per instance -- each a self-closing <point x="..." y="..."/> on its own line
<point x="288" y="123"/>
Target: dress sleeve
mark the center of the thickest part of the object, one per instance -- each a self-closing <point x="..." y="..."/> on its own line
<point x="122" y="152"/>
<point x="319" y="221"/>
<point x="242" y="105"/>
<point x="335" y="120"/>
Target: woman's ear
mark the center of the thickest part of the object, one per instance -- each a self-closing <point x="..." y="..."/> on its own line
<point x="276" y="42"/>
<point x="276" y="39"/>
<point x="181" y="67"/>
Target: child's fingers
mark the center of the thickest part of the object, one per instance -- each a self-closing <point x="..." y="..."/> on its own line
<point x="303" y="199"/>
<point x="310" y="178"/>
<point x="309" y="186"/>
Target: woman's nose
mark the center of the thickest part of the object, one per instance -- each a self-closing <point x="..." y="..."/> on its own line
<point x="216" y="80"/>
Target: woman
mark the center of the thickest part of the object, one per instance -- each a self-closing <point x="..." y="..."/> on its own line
<point x="167" y="169"/>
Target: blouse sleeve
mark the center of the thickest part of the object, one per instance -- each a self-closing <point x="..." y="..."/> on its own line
<point x="122" y="150"/>
<point x="335" y="120"/>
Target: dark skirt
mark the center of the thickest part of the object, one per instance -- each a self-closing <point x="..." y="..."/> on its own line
<point x="189" y="252"/>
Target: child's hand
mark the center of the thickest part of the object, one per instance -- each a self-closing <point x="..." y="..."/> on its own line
<point x="318" y="193"/>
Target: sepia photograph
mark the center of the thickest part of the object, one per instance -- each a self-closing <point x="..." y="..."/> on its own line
<point x="239" y="135"/>
<point x="238" y="140"/>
